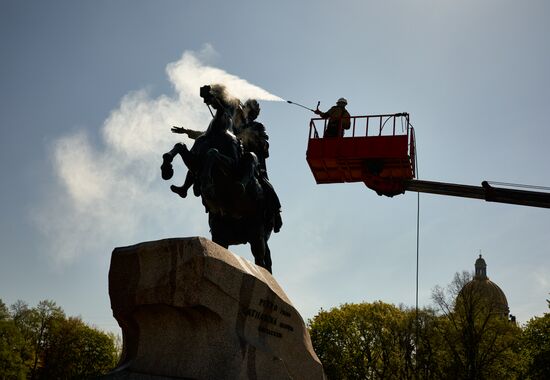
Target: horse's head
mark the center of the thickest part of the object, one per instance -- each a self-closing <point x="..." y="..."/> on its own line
<point x="216" y="95"/>
<point x="228" y="110"/>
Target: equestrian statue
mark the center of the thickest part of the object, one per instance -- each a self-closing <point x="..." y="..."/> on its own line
<point x="226" y="168"/>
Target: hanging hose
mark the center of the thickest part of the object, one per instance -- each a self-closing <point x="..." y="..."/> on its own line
<point x="417" y="248"/>
<point x="400" y="114"/>
<point x="417" y="263"/>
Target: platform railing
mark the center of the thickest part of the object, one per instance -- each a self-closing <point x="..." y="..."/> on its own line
<point x="367" y="125"/>
<point x="372" y="125"/>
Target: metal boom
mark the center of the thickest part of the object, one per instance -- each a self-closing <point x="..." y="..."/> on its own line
<point x="485" y="191"/>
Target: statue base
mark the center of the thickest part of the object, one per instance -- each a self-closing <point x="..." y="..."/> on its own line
<point x="191" y="309"/>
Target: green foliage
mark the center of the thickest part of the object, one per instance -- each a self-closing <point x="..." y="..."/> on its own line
<point x="42" y="343"/>
<point x="428" y="354"/>
<point x="12" y="352"/>
<point x="536" y="344"/>
<point x="374" y="341"/>
<point x="34" y="325"/>
<point x="4" y="312"/>
<point x="76" y="351"/>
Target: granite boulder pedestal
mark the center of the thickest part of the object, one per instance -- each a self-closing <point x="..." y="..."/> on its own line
<point x="191" y="309"/>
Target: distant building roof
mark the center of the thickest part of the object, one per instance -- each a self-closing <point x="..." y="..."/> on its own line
<point x="483" y="290"/>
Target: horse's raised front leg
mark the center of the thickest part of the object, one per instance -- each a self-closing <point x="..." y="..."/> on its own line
<point x="166" y="168"/>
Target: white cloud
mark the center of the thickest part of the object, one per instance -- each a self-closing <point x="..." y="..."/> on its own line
<point x="82" y="176"/>
<point x="113" y="194"/>
<point x="541" y="279"/>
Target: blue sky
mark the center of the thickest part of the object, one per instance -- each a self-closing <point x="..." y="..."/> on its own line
<point x="89" y="90"/>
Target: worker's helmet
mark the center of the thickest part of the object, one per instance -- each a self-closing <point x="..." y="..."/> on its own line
<point x="342" y="100"/>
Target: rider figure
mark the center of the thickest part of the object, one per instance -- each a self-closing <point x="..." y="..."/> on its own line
<point x="254" y="139"/>
<point x="253" y="135"/>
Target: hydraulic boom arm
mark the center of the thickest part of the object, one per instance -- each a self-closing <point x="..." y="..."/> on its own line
<point x="485" y="191"/>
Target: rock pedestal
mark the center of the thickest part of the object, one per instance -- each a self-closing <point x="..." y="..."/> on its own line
<point x="191" y="309"/>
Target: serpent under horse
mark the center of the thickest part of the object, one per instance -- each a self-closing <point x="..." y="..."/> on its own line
<point x="226" y="178"/>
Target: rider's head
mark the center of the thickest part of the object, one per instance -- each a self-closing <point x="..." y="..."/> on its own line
<point x="251" y="109"/>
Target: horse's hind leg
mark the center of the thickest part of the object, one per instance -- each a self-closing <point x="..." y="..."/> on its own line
<point x="267" y="258"/>
<point x="220" y="241"/>
<point x="258" y="248"/>
<point x="182" y="190"/>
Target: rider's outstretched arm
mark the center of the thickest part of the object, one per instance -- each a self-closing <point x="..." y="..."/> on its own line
<point x="189" y="132"/>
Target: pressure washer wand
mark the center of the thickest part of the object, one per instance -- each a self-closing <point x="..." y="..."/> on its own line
<point x="299" y="105"/>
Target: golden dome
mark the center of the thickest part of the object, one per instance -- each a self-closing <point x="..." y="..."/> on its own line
<point x="484" y="292"/>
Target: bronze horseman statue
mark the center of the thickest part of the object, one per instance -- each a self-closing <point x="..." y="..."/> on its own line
<point x="227" y="170"/>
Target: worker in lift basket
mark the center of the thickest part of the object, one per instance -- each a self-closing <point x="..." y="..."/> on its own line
<point x="338" y="119"/>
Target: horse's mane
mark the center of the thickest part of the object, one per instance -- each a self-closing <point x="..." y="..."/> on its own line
<point x="229" y="102"/>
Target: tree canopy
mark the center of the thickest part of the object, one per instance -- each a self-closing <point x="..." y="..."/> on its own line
<point x="43" y="343"/>
<point x="374" y="341"/>
<point x="536" y="345"/>
<point x="463" y="337"/>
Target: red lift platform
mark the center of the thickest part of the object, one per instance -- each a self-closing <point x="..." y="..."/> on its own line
<point x="379" y="150"/>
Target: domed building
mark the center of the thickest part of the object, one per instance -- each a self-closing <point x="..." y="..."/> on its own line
<point x="483" y="294"/>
